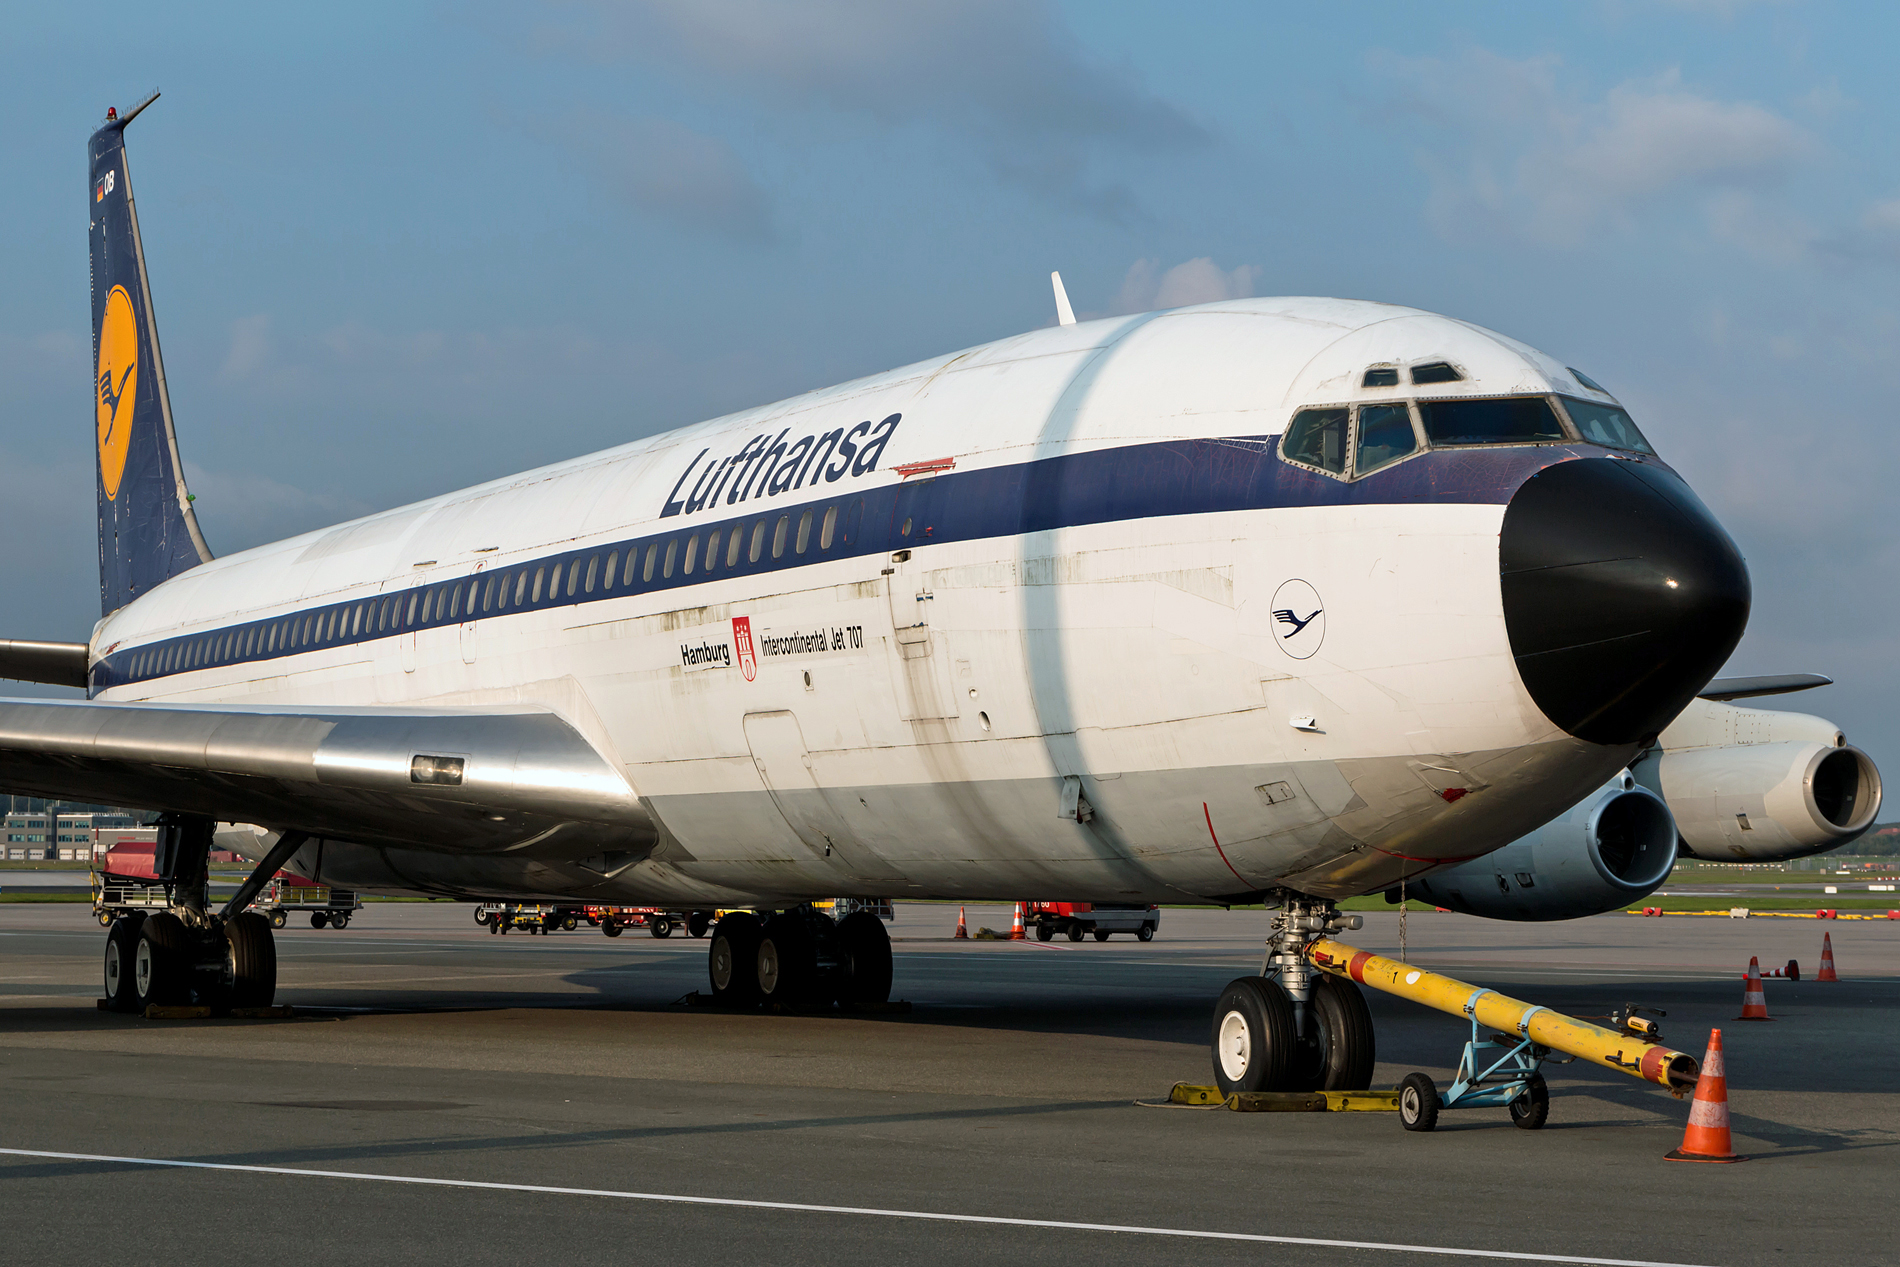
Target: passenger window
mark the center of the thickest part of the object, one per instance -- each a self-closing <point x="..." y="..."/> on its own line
<point x="778" y="535"/>
<point x="758" y="542"/>
<point x="633" y="553"/>
<point x="1318" y="438"/>
<point x="270" y="642"/>
<point x="804" y="532"/>
<point x="905" y="530"/>
<point x="830" y="526"/>
<point x="1606" y="425"/>
<point x="535" y="597"/>
<point x="653" y="552"/>
<point x="607" y="577"/>
<point x="1436" y="372"/>
<point x="250" y="641"/>
<point x="692" y="553"/>
<point x="554" y="582"/>
<point x="1519" y="420"/>
<point x="455" y="602"/>
<point x="521" y="586"/>
<point x="593" y="570"/>
<point x="573" y="577"/>
<point x="413" y="600"/>
<point x="734" y="537"/>
<point x="672" y="550"/>
<point x="488" y="593"/>
<point x="382" y="617"/>
<point x="1381" y="376"/>
<point x="712" y="549"/>
<point x="1385" y="435"/>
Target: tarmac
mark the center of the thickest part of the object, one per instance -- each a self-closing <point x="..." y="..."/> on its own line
<point x="447" y="1095"/>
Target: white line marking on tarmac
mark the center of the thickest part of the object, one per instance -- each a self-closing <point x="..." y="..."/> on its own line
<point x="799" y="1207"/>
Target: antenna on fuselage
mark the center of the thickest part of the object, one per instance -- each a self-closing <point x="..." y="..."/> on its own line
<point x="1065" y="315"/>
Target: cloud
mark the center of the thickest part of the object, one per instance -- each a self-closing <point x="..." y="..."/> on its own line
<point x="1008" y="75"/>
<point x="241" y="509"/>
<point x="666" y="169"/>
<point x="1874" y="236"/>
<point x="1197" y="281"/>
<point x="1533" y="159"/>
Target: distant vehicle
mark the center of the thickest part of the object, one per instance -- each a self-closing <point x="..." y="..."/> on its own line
<point x="125" y="880"/>
<point x="1102" y="920"/>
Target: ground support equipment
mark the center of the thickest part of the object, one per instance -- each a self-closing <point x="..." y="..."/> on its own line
<point x="1528" y="1033"/>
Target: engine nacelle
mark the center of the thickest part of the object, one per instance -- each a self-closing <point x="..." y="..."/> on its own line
<point x="1615" y="847"/>
<point x="1756" y="785"/>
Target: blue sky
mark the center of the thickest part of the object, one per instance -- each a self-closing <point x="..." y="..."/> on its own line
<point x="400" y="249"/>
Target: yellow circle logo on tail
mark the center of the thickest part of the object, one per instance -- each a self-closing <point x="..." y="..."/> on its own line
<point x="118" y="386"/>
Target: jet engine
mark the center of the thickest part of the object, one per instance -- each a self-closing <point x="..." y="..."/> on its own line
<point x="1756" y="785"/>
<point x="1613" y="848"/>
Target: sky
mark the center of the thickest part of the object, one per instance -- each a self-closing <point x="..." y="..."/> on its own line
<point x="400" y="249"/>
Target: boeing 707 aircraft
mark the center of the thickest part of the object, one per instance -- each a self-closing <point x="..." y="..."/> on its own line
<point x="1282" y="600"/>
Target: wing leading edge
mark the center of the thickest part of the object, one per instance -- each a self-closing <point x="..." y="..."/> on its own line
<point x="490" y="781"/>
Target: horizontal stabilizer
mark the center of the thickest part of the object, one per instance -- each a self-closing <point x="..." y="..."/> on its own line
<point x="1728" y="688"/>
<point x="53" y="663"/>
<point x="441" y="779"/>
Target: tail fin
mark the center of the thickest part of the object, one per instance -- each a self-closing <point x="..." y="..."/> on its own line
<point x="147" y="531"/>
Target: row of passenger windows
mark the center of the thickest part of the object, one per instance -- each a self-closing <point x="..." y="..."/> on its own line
<point x="1373" y="436"/>
<point x="500" y="591"/>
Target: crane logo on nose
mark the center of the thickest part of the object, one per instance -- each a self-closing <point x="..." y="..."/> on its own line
<point x="118" y="387"/>
<point x="1299" y="619"/>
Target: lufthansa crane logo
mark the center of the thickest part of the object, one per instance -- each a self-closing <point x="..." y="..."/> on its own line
<point x="118" y="387"/>
<point x="1299" y="619"/>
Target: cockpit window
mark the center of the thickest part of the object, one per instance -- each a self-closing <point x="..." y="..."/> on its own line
<point x="1514" y="420"/>
<point x="1381" y="376"/>
<point x="1318" y="438"/>
<point x="1385" y="435"/>
<point x="1585" y="379"/>
<point x="1606" y="425"/>
<point x="1436" y="372"/>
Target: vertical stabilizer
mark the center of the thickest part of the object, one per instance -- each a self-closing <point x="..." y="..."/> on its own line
<point x="147" y="531"/>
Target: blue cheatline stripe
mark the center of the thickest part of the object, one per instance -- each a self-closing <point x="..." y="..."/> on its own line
<point x="867" y="1211"/>
<point x="1143" y="481"/>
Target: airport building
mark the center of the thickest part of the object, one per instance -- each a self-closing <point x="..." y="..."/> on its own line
<point x="61" y="834"/>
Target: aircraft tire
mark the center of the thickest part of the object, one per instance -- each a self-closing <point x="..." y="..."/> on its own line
<point x="1340" y="1049"/>
<point x="121" y="946"/>
<point x="250" y="960"/>
<point x="161" y="968"/>
<point x="866" y="943"/>
<point x="1418" y="1103"/>
<point x="1252" y="1036"/>
<point x="788" y="962"/>
<point x="732" y="959"/>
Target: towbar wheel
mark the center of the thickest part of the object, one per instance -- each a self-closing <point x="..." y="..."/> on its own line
<point x="1418" y="1103"/>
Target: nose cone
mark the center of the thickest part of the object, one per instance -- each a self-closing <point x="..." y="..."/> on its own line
<point x="1622" y="595"/>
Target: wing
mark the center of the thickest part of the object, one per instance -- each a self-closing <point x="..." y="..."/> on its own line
<point x="442" y="779"/>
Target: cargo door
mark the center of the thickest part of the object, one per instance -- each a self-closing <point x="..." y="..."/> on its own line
<point x="785" y="767"/>
<point x="921" y="665"/>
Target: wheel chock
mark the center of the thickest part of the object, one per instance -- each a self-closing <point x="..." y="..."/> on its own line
<point x="1188" y="1093"/>
<point x="156" y="1012"/>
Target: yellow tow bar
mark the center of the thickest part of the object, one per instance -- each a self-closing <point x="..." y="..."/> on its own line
<point x="1613" y="1049"/>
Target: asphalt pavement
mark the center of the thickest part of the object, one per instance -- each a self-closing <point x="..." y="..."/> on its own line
<point x="445" y="1094"/>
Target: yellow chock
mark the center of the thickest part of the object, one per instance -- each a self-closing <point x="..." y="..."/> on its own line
<point x="1362" y="1101"/>
<point x="1287" y="1101"/>
<point x="1188" y="1093"/>
<point x="157" y="1013"/>
<point x="1277" y="1102"/>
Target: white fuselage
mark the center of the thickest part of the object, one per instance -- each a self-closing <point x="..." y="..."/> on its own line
<point x="1066" y="682"/>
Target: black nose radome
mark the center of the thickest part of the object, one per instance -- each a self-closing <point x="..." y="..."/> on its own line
<point x="1622" y="595"/>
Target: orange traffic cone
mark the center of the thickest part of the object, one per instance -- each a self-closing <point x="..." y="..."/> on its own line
<point x="1754" y="1002"/>
<point x="1707" y="1138"/>
<point x="1827" y="959"/>
<point x="963" y="927"/>
<point x="1016" y="932"/>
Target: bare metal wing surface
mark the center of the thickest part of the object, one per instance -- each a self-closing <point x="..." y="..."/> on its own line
<point x="441" y="779"/>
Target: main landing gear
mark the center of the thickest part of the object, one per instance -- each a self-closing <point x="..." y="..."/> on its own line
<point x="1293" y="1028"/>
<point x="800" y="958"/>
<point x="187" y="954"/>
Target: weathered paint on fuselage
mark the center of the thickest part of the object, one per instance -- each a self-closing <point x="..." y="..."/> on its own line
<point x="1068" y="680"/>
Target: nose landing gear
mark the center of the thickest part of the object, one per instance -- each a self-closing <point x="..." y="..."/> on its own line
<point x="1293" y="1028"/>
